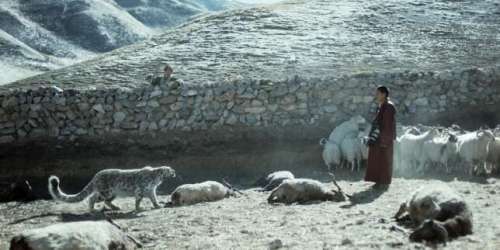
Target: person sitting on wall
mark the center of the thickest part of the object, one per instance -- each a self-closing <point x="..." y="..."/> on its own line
<point x="165" y="77"/>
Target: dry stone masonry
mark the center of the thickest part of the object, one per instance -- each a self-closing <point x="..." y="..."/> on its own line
<point x="50" y="111"/>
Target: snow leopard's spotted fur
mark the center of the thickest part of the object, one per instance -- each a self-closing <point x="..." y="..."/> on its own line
<point x="109" y="183"/>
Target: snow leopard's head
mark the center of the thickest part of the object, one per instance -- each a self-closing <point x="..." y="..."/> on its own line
<point x="166" y="171"/>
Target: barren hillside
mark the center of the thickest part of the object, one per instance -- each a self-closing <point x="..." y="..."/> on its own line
<point x="312" y="38"/>
<point x="38" y="36"/>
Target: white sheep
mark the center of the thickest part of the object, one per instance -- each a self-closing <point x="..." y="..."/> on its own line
<point x="351" y="150"/>
<point x="331" y="147"/>
<point x="364" y="151"/>
<point x="188" y="194"/>
<point x="410" y="149"/>
<point x="303" y="190"/>
<point x="439" y="150"/>
<point x="74" y="235"/>
<point x="456" y="130"/>
<point x="472" y="148"/>
<point x="493" y="157"/>
<point x="363" y="135"/>
<point x="348" y="128"/>
<point x="496" y="131"/>
<point x="331" y="153"/>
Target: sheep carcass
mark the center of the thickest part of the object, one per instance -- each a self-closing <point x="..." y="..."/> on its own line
<point x="439" y="211"/>
<point x="16" y="191"/>
<point x="472" y="148"/>
<point x="188" y="194"/>
<point x="302" y="191"/>
<point x="274" y="179"/>
<point x="74" y="235"/>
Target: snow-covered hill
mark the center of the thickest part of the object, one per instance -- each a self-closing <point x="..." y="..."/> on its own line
<point x="38" y="36"/>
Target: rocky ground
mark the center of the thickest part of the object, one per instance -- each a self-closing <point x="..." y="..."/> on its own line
<point x="248" y="222"/>
<point x="307" y="38"/>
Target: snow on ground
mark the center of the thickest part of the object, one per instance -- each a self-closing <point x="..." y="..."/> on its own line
<point x="11" y="73"/>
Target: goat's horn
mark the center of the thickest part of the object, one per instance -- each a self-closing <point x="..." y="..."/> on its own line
<point x="337" y="185"/>
<point x="231" y="187"/>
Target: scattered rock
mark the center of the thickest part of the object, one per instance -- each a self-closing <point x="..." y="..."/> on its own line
<point x="275" y="244"/>
<point x="422" y="101"/>
<point x="360" y="222"/>
<point x="346" y="241"/>
<point x="155" y="93"/>
<point x="330" y="108"/>
<point x="255" y="110"/>
<point x="118" y="117"/>
<point x="154" y="104"/>
<point x="99" y="108"/>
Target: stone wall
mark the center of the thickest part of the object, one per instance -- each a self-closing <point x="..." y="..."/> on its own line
<point x="53" y="112"/>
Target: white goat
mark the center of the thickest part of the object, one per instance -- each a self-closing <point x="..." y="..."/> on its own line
<point x="496" y="131"/>
<point x="331" y="153"/>
<point x="410" y="149"/>
<point x="346" y="129"/>
<point x="364" y="148"/>
<point x="188" y="194"/>
<point x="493" y="158"/>
<point x="74" y="235"/>
<point x="439" y="150"/>
<point x="351" y="150"/>
<point x="472" y="148"/>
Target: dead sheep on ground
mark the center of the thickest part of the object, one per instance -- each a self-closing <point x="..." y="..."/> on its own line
<point x="16" y="191"/>
<point x="189" y="194"/>
<point x="273" y="180"/>
<point x="439" y="213"/>
<point x="303" y="190"/>
<point x="75" y="235"/>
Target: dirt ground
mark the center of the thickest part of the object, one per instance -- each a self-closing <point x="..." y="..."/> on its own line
<point x="248" y="222"/>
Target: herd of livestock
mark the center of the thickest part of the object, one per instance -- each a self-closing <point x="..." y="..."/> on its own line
<point x="417" y="148"/>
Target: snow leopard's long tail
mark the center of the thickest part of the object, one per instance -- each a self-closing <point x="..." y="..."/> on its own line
<point x="57" y="194"/>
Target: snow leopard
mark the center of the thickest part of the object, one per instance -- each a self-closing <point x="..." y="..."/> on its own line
<point x="108" y="184"/>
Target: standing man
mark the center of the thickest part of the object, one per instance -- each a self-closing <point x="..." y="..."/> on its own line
<point x="381" y="141"/>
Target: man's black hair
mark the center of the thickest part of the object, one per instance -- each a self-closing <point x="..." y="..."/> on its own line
<point x="383" y="90"/>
